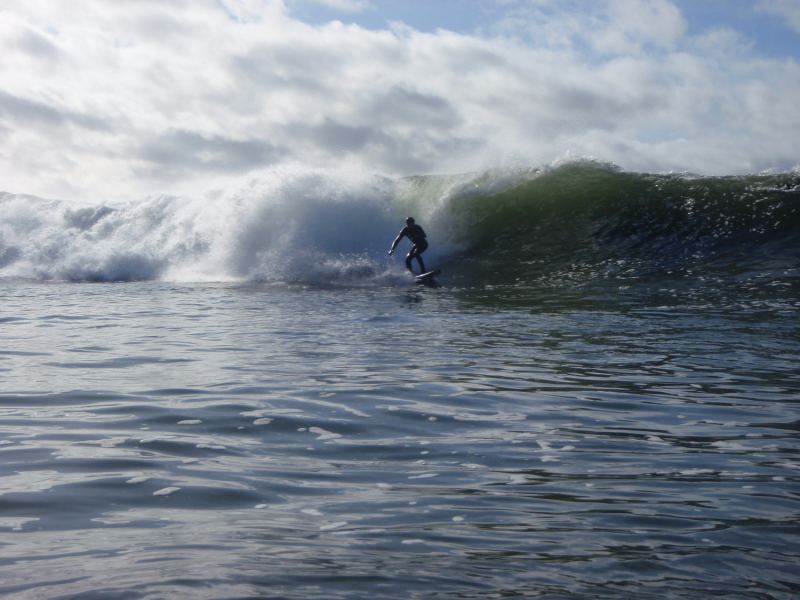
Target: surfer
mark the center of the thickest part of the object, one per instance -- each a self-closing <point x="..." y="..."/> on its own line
<point x="417" y="236"/>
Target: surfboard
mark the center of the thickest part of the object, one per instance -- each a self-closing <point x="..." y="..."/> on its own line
<point x="427" y="278"/>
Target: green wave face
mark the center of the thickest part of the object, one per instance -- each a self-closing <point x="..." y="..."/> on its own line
<point x="595" y="219"/>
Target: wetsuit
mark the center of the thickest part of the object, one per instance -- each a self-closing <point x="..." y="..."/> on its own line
<point x="416" y="234"/>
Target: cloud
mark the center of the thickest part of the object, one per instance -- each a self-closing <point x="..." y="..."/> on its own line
<point x="132" y="98"/>
<point x="630" y="25"/>
<point x="244" y="11"/>
<point x="606" y="27"/>
<point x="38" y="45"/>
<point x="789" y="10"/>
<point x="180" y="153"/>
<point x="350" y="6"/>
<point x="35" y="112"/>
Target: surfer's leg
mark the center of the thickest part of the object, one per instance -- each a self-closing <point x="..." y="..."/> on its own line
<point x="415" y="253"/>
<point x="418" y="250"/>
<point x="409" y="256"/>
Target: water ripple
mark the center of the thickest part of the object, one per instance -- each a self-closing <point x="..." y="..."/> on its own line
<point x="308" y="450"/>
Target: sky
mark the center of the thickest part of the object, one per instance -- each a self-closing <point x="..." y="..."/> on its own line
<point x="112" y="99"/>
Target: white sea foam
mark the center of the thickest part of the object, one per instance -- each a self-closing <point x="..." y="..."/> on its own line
<point x="290" y="224"/>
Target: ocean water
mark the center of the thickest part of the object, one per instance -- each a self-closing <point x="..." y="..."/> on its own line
<point x="244" y="397"/>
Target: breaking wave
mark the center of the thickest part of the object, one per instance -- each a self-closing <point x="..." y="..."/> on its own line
<point x="295" y="225"/>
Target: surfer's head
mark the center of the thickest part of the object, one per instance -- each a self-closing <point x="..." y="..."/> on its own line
<point x="410" y="221"/>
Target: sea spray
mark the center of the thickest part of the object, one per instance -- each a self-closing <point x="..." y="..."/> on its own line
<point x="288" y="225"/>
<point x="306" y="225"/>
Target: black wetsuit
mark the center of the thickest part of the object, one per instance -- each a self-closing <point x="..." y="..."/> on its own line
<point x="417" y="236"/>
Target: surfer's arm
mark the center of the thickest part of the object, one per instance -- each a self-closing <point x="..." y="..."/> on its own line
<point x="396" y="241"/>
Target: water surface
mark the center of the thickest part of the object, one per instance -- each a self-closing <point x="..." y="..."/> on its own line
<point x="471" y="441"/>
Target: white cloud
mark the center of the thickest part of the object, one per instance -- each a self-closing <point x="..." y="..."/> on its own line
<point x="784" y="9"/>
<point x="351" y="6"/>
<point x="246" y="10"/>
<point x="607" y="26"/>
<point x="629" y="25"/>
<point x="131" y="98"/>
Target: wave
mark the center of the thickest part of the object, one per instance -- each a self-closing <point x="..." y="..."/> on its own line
<point x="291" y="225"/>
<point x="595" y="220"/>
<point x="296" y="225"/>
